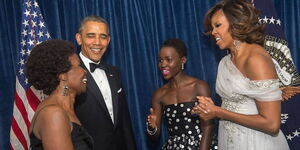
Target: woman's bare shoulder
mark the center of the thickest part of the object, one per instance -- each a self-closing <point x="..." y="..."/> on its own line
<point x="51" y="115"/>
<point x="197" y="82"/>
<point x="259" y="65"/>
<point x="158" y="93"/>
<point x="201" y="87"/>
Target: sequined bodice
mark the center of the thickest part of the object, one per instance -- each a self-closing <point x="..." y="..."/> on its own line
<point x="183" y="127"/>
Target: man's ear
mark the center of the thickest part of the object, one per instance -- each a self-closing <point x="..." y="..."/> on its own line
<point x="108" y="39"/>
<point x="183" y="60"/>
<point x="78" y="38"/>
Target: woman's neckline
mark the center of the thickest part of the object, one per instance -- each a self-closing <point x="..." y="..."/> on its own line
<point x="180" y="103"/>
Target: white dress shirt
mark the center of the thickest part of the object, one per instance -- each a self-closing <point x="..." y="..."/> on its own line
<point x="102" y="82"/>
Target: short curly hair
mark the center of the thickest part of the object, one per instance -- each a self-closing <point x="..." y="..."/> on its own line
<point x="177" y="44"/>
<point x="243" y="20"/>
<point x="46" y="61"/>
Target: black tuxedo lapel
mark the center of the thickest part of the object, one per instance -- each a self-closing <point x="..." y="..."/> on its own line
<point x="112" y="78"/>
<point x="94" y="89"/>
<point x="92" y="86"/>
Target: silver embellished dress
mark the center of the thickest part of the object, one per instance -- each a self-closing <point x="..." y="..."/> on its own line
<point x="238" y="95"/>
<point x="183" y="127"/>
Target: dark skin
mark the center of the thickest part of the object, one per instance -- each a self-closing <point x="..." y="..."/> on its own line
<point x="289" y="91"/>
<point x="180" y="88"/>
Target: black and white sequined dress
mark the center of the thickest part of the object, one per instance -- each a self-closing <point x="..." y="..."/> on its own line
<point x="183" y="127"/>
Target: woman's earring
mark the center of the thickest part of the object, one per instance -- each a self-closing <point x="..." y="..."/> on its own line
<point x="182" y="66"/>
<point x="237" y="44"/>
<point x="65" y="91"/>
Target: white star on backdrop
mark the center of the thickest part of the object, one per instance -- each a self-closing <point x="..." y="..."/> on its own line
<point x="269" y="20"/>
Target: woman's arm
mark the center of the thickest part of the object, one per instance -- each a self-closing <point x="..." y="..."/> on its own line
<point x="154" y="119"/>
<point x="207" y="132"/>
<point x="289" y="91"/>
<point x="206" y="125"/>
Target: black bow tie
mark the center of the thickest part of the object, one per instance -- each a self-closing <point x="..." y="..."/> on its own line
<point x="93" y="66"/>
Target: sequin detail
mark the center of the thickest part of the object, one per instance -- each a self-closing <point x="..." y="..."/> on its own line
<point x="183" y="127"/>
<point x="262" y="84"/>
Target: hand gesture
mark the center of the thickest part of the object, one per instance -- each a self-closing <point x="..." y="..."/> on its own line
<point x="206" y="108"/>
<point x="151" y="119"/>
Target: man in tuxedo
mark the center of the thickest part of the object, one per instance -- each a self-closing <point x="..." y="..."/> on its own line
<point x="102" y="110"/>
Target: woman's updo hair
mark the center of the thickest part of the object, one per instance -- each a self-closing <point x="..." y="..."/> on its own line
<point x="46" y="61"/>
<point x="243" y="20"/>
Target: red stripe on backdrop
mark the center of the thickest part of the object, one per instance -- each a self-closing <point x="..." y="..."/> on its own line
<point x="20" y="105"/>
<point x="19" y="133"/>
<point x="33" y="100"/>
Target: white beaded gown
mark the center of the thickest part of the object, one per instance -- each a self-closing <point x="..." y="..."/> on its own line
<point x="238" y="95"/>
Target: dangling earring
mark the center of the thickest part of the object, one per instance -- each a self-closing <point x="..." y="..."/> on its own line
<point x="182" y="66"/>
<point x="237" y="44"/>
<point x="65" y="91"/>
<point x="42" y="95"/>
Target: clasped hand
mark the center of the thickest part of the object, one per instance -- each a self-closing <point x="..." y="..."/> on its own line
<point x="206" y="108"/>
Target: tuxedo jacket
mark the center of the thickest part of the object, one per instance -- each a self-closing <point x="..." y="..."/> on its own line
<point x="93" y="114"/>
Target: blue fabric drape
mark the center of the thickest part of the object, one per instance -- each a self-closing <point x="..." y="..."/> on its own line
<point x="138" y="28"/>
<point x="289" y="12"/>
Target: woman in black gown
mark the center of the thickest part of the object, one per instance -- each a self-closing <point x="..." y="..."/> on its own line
<point x="54" y="68"/>
<point x="175" y="100"/>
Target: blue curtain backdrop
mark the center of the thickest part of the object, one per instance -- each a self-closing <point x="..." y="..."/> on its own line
<point x="138" y="28"/>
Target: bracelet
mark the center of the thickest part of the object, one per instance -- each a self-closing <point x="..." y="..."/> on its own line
<point x="151" y="132"/>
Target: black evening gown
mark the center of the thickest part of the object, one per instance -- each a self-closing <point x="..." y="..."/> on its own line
<point x="80" y="138"/>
